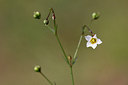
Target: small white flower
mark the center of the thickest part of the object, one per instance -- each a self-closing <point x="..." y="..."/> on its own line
<point x="92" y="41"/>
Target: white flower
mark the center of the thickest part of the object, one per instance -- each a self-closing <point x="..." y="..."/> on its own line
<point x="92" y="41"/>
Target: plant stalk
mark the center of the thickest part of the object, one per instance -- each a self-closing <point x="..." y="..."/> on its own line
<point x="62" y="49"/>
<point x="72" y="75"/>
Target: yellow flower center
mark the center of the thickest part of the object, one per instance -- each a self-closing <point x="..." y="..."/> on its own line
<point x="93" y="40"/>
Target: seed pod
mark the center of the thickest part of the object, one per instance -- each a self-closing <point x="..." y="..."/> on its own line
<point x="37" y="15"/>
<point x="37" y="68"/>
<point x="46" y="22"/>
<point x="95" y="15"/>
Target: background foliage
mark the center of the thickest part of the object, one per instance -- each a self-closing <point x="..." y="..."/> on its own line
<point x="25" y="42"/>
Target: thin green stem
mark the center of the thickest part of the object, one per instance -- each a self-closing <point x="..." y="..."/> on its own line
<point x="62" y="49"/>
<point x="46" y="78"/>
<point x="65" y="56"/>
<point x="72" y="75"/>
<point x="55" y="27"/>
<point x="89" y="30"/>
<point x="78" y="46"/>
<point x="91" y="22"/>
<point x="55" y="32"/>
<point x="52" y="30"/>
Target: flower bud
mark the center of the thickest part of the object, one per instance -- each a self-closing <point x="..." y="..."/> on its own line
<point x="37" y="15"/>
<point x="53" y="17"/>
<point x="37" y="68"/>
<point x="95" y="15"/>
<point x="46" y="22"/>
<point x="69" y="58"/>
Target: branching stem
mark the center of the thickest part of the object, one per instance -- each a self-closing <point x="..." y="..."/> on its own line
<point x="78" y="46"/>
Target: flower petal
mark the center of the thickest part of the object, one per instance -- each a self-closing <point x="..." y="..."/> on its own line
<point x="88" y="37"/>
<point x="99" y="41"/>
<point x="95" y="36"/>
<point x="94" y="46"/>
<point x="88" y="44"/>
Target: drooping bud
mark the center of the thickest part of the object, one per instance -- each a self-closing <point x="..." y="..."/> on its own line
<point x="37" y="15"/>
<point x="95" y="15"/>
<point x="37" y="68"/>
<point x="46" y="22"/>
<point x="53" y="17"/>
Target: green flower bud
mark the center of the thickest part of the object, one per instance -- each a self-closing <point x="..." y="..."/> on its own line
<point x="95" y="15"/>
<point x="46" y="22"/>
<point x="37" y="68"/>
<point x="37" y="15"/>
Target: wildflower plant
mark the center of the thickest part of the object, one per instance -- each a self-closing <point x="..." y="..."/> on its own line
<point x="92" y="41"/>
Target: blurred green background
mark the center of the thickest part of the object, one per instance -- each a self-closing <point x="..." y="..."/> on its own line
<point x="25" y="42"/>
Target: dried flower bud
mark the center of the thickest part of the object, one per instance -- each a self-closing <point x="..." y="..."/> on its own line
<point x="69" y="58"/>
<point x="37" y="68"/>
<point x="95" y="15"/>
<point x="46" y="22"/>
<point x="37" y="15"/>
<point x="53" y="17"/>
